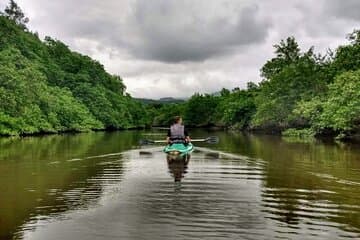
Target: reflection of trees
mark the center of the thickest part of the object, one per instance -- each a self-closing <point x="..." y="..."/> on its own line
<point x="312" y="181"/>
<point x="41" y="176"/>
<point x="303" y="183"/>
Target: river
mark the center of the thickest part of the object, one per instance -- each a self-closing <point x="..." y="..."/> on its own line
<point x="104" y="186"/>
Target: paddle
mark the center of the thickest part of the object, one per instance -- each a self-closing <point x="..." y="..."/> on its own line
<point x="211" y="140"/>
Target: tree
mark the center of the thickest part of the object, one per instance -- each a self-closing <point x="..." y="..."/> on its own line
<point x="14" y="13"/>
<point x="286" y="52"/>
<point x="235" y="109"/>
<point x="251" y="86"/>
<point x="224" y="92"/>
<point x="200" y="110"/>
<point x="348" y="56"/>
<point x="339" y="110"/>
<point x="46" y="87"/>
<point x="354" y="37"/>
<point x="289" y="77"/>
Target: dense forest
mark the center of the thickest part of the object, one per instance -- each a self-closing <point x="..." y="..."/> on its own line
<point x="46" y="88"/>
<point x="302" y="94"/>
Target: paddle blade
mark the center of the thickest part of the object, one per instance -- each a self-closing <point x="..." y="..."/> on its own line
<point x="212" y="140"/>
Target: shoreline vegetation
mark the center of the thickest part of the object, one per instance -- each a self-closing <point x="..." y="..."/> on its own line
<point x="47" y="88"/>
<point x="302" y="94"/>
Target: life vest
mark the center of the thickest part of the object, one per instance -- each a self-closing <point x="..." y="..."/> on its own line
<point x="177" y="133"/>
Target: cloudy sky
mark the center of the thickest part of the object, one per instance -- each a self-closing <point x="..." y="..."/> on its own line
<point x="177" y="47"/>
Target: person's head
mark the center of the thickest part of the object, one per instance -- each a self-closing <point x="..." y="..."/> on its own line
<point x="177" y="120"/>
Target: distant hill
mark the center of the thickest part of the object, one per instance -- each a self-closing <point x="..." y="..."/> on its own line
<point x="166" y="100"/>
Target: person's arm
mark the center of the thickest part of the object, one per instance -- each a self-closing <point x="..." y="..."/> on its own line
<point x="168" y="141"/>
<point x="187" y="137"/>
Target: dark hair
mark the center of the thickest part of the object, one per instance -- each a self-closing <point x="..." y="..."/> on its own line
<point x="177" y="119"/>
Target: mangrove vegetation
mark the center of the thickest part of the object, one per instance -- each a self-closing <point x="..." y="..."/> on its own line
<point x="47" y="88"/>
<point x="302" y="93"/>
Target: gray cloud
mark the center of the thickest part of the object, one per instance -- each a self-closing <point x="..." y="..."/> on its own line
<point x="181" y="33"/>
<point x="348" y="9"/>
<point x="163" y="30"/>
<point x="175" y="48"/>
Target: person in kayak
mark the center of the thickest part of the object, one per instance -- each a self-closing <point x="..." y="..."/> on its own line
<point x="177" y="133"/>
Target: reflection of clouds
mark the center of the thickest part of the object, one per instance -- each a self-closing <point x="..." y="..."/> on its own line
<point x="213" y="200"/>
<point x="268" y="193"/>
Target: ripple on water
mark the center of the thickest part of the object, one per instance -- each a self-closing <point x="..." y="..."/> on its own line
<point x="215" y="196"/>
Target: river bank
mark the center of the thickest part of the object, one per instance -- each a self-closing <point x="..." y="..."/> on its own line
<point x="297" y="134"/>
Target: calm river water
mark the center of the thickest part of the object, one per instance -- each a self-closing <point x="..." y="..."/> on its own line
<point x="104" y="186"/>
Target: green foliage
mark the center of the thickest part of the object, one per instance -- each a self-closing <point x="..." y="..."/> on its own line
<point x="339" y="109"/>
<point x="165" y="114"/>
<point x="348" y="56"/>
<point x="300" y="133"/>
<point x="236" y="108"/>
<point x="45" y="87"/>
<point x="303" y="94"/>
<point x="287" y="52"/>
<point x="8" y="125"/>
<point x="14" y="13"/>
<point x="292" y="135"/>
<point x="30" y="106"/>
<point x="230" y="109"/>
<point x="200" y="109"/>
<point x="290" y="77"/>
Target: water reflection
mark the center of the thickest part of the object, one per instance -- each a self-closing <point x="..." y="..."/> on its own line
<point x="45" y="176"/>
<point x="93" y="186"/>
<point x="310" y="187"/>
<point x="178" y="164"/>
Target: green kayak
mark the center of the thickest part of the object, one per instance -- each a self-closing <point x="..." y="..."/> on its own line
<point x="179" y="148"/>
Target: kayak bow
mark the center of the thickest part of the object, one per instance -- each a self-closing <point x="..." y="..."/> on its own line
<point x="179" y="148"/>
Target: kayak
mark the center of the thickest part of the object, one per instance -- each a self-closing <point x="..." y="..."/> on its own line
<point x="179" y="148"/>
